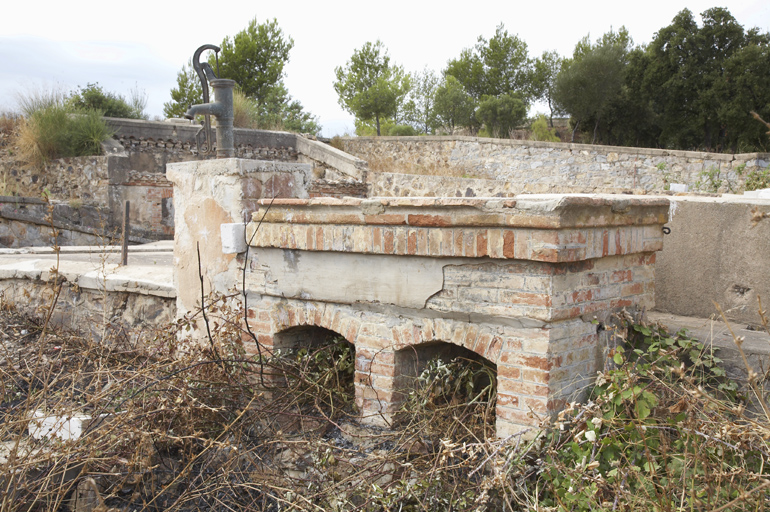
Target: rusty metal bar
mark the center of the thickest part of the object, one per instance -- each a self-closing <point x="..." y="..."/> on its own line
<point x="124" y="248"/>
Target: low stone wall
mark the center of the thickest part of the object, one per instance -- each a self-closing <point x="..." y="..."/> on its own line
<point x="85" y="179"/>
<point x="29" y="221"/>
<point x="386" y="184"/>
<point x="338" y="188"/>
<point x="536" y="167"/>
<point x="131" y="317"/>
<point x="133" y="169"/>
<point x="153" y="144"/>
<point x="97" y="298"/>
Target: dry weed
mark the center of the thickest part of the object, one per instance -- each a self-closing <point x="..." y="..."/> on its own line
<point x="207" y="427"/>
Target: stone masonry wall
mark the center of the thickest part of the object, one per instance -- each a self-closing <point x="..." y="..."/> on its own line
<point x="388" y="184"/>
<point x="152" y="155"/>
<point x="84" y="179"/>
<point x="133" y="169"/>
<point x="537" y="167"/>
<point x="29" y="222"/>
<point x="129" y="316"/>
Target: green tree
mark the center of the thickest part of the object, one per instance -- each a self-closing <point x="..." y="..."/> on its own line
<point x="453" y="106"/>
<point x="255" y="59"/>
<point x="369" y="87"/>
<point x="468" y="71"/>
<point x="703" y="81"/>
<point x="280" y="111"/>
<point x="544" y="72"/>
<point x="500" y="65"/>
<point x="418" y="108"/>
<point x="187" y="92"/>
<point x="502" y="114"/>
<point x="506" y="62"/>
<point x="748" y="74"/>
<point x="592" y="80"/>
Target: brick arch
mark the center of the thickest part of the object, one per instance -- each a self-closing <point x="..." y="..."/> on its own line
<point x="284" y="315"/>
<point x="478" y="339"/>
<point x="378" y="339"/>
<point x="303" y="336"/>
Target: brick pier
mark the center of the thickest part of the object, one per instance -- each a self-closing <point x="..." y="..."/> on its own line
<point x="517" y="281"/>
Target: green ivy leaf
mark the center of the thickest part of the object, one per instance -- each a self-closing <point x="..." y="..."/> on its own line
<point x="642" y="409"/>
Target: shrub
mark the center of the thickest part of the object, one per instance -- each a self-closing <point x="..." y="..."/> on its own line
<point x="540" y="130"/>
<point x="54" y="128"/>
<point x="664" y="430"/>
<point x="88" y="132"/>
<point x="43" y="135"/>
<point x="402" y="130"/>
<point x="93" y="97"/>
<point x="758" y="179"/>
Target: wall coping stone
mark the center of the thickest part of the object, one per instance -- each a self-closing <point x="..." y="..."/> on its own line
<point x="183" y="132"/>
<point x="569" y="146"/>
<point x="554" y="228"/>
<point x="544" y="211"/>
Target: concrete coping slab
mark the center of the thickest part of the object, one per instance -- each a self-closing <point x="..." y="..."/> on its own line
<point x="556" y="228"/>
<point x="143" y="280"/>
<point x="149" y="271"/>
<point x="161" y="246"/>
<point x="234" y="167"/>
<point x="545" y="211"/>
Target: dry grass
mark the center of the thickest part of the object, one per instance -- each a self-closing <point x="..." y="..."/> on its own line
<point x="8" y="123"/>
<point x="208" y="427"/>
<point x="202" y="428"/>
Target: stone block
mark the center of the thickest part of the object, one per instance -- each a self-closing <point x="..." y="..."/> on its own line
<point x="65" y="427"/>
<point x="233" y="237"/>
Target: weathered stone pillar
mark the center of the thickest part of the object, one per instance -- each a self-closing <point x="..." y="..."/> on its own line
<point x="208" y="194"/>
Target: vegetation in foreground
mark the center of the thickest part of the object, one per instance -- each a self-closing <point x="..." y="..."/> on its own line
<point x="210" y="428"/>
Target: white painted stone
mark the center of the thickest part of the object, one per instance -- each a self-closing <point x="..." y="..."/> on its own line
<point x="763" y="193"/>
<point x="66" y="428"/>
<point x="233" y="237"/>
<point x="678" y="187"/>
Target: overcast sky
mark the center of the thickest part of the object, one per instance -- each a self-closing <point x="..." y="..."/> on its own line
<point x="143" y="44"/>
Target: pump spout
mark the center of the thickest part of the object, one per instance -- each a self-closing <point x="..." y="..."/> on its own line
<point x="211" y="109"/>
